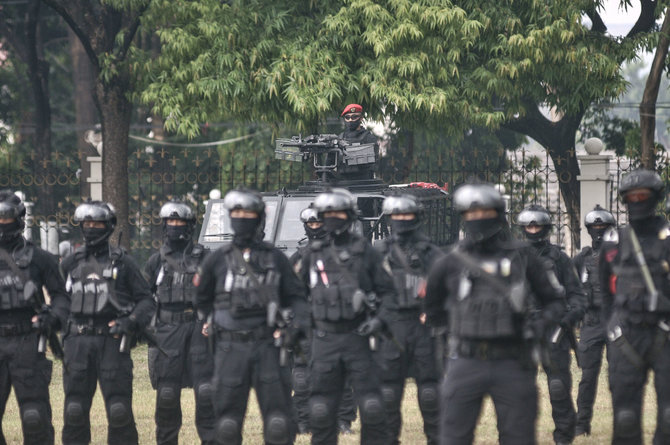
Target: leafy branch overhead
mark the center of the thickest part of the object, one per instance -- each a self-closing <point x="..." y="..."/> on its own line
<point x="446" y="64"/>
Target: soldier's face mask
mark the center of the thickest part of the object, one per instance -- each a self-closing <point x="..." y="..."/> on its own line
<point x="332" y="224"/>
<point x="353" y="120"/>
<point x="94" y="236"/>
<point x="9" y="231"/>
<point x="315" y="230"/>
<point x="640" y="204"/>
<point x="535" y="233"/>
<point x="597" y="232"/>
<point x="480" y="230"/>
<point x="176" y="233"/>
<point x="244" y="227"/>
<point x="400" y="226"/>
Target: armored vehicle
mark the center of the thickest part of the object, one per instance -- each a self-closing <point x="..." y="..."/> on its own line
<point x="337" y="163"/>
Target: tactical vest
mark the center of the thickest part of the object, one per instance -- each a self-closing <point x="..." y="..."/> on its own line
<point x="408" y="271"/>
<point x="92" y="283"/>
<point x="334" y="281"/>
<point x="244" y="290"/>
<point x="478" y="309"/>
<point x="589" y="277"/>
<point x="631" y="291"/>
<point x="14" y="275"/>
<point x="174" y="283"/>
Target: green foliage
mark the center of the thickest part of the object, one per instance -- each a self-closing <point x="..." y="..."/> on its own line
<point x="444" y="64"/>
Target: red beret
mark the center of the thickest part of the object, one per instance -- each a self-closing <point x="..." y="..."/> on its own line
<point x="352" y="108"/>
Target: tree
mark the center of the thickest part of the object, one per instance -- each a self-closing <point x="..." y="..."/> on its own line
<point x="440" y="64"/>
<point x="106" y="29"/>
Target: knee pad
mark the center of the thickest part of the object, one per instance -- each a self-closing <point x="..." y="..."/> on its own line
<point x="625" y="423"/>
<point x="227" y="431"/>
<point x="428" y="398"/>
<point x="319" y="414"/>
<point x="388" y="396"/>
<point x="372" y="410"/>
<point x="74" y="414"/>
<point x="277" y="429"/>
<point x="167" y="397"/>
<point x="32" y="419"/>
<point x="300" y="381"/>
<point x="205" y="392"/>
<point x="557" y="390"/>
<point x="119" y="414"/>
<point x="665" y="420"/>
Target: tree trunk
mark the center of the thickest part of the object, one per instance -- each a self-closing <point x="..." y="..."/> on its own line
<point x="115" y="110"/>
<point x="86" y="115"/>
<point x="650" y="96"/>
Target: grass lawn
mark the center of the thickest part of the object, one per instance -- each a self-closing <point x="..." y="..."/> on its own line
<point x="412" y="433"/>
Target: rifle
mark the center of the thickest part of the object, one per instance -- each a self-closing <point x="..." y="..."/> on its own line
<point x="370" y="302"/>
<point x="563" y="330"/>
<point x="652" y="305"/>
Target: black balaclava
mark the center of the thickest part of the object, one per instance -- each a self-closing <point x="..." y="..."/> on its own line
<point x="480" y="230"/>
<point x="353" y="125"/>
<point x="246" y="230"/>
<point x="95" y="237"/>
<point x="537" y="238"/>
<point x="597" y="235"/>
<point x="402" y="227"/>
<point x="10" y="233"/>
<point x="642" y="210"/>
<point x="336" y="226"/>
<point x="317" y="233"/>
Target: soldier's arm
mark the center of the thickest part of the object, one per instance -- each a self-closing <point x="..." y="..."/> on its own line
<point x="436" y="294"/>
<point x="206" y="281"/>
<point x="53" y="281"/>
<point x="608" y="253"/>
<point x="382" y="283"/>
<point x="151" y="270"/>
<point x="544" y="284"/>
<point x="575" y="294"/>
<point x="140" y="292"/>
<point x="292" y="292"/>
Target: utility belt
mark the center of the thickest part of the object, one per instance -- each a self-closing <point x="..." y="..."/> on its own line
<point x="14" y="329"/>
<point x="250" y="335"/>
<point x="175" y="317"/>
<point x="487" y="350"/>
<point x="339" y="327"/>
<point x="88" y="327"/>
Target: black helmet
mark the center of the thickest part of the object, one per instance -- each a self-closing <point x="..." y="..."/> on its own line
<point x="310" y="215"/>
<point x="641" y="179"/>
<point x="477" y="196"/>
<point x="180" y="211"/>
<point x="11" y="207"/>
<point x="337" y="199"/>
<point x="402" y="204"/>
<point x="599" y="216"/>
<point x="177" y="210"/>
<point x="535" y="215"/>
<point x="244" y="199"/>
<point x="95" y="211"/>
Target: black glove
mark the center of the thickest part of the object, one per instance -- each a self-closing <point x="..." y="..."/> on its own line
<point x="46" y="322"/>
<point x="571" y="318"/>
<point x="370" y="326"/>
<point x="124" y="325"/>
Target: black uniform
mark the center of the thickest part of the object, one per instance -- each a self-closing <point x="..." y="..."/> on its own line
<point x="408" y="258"/>
<point x="339" y="273"/>
<point x="105" y="284"/>
<point x="637" y="333"/>
<point x="559" y="378"/>
<point x="22" y="367"/>
<point x="484" y="301"/>
<point x="239" y="288"/>
<point x="346" y="413"/>
<point x="184" y="360"/>
<point x="592" y="337"/>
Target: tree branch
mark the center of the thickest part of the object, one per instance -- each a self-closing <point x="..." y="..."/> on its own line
<point x="646" y="20"/>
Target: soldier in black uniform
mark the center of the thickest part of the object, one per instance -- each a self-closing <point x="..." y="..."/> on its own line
<point x="110" y="303"/>
<point x="536" y="223"/>
<point x="592" y="337"/>
<point x="408" y="256"/>
<point x="346" y="281"/>
<point x="347" y="413"/>
<point x="250" y="291"/>
<point x="634" y="265"/>
<point x="482" y="290"/>
<point x="182" y="359"/>
<point x="24" y="270"/>
<point x="356" y="133"/>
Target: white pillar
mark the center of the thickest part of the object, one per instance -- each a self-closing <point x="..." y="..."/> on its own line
<point x="596" y="182"/>
<point x="95" y="180"/>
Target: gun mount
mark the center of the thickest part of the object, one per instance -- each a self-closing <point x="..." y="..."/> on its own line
<point x="334" y="159"/>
